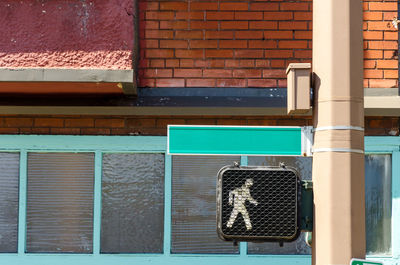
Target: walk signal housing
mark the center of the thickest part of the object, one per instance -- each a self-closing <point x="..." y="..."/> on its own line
<point x="258" y="204"/>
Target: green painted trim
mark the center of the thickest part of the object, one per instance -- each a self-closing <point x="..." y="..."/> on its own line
<point x="23" y="180"/>
<point x="82" y="143"/>
<point x="396" y="205"/>
<point x="234" y="140"/>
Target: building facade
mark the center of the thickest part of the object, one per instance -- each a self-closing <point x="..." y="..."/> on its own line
<point x="89" y="88"/>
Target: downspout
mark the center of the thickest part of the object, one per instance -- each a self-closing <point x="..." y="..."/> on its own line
<point x="338" y="114"/>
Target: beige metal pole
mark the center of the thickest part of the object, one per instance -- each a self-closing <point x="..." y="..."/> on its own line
<point x="338" y="162"/>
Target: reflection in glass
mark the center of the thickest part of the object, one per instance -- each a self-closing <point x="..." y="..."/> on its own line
<point x="132" y="203"/>
<point x="60" y="202"/>
<point x="378" y="204"/>
<point x="304" y="166"/>
<point x="9" y="176"/>
<point x="194" y="204"/>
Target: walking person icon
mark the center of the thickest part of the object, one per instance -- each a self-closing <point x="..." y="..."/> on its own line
<point x="238" y="198"/>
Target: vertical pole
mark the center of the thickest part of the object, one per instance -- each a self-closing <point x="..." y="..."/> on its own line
<point x="338" y="162"/>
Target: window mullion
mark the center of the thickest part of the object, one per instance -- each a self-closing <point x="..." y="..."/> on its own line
<point x="97" y="202"/>
<point x="22" y="201"/>
<point x="167" y="204"/>
<point x="396" y="204"/>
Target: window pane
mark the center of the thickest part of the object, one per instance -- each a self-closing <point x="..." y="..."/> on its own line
<point x="304" y="166"/>
<point x="132" y="203"/>
<point x="9" y="176"/>
<point x="194" y="181"/>
<point x="60" y="202"/>
<point x="378" y="203"/>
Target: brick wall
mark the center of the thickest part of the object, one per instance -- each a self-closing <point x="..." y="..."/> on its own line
<point x="248" y="43"/>
<point x="222" y="43"/>
<point x="156" y="125"/>
<point x="380" y="44"/>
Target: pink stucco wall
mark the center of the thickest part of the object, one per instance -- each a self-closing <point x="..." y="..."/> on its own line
<point x="66" y="33"/>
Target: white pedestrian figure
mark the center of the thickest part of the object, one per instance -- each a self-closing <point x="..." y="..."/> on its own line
<point x="238" y="198"/>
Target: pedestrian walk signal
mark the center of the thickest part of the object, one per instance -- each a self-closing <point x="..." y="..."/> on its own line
<point x="258" y="204"/>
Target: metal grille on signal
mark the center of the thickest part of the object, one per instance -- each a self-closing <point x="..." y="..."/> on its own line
<point x="257" y="204"/>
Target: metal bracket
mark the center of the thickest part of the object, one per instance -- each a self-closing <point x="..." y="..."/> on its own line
<point x="307" y="206"/>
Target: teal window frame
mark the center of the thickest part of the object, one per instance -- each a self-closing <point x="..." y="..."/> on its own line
<point x="158" y="144"/>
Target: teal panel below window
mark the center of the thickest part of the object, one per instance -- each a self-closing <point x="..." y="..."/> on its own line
<point x="234" y="140"/>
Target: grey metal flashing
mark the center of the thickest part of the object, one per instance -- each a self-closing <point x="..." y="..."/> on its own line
<point x="65" y="75"/>
<point x="148" y="111"/>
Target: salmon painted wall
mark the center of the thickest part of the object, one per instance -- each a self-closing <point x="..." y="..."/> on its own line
<point x="66" y="34"/>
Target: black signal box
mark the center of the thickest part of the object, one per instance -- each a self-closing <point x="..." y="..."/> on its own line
<point x="258" y="204"/>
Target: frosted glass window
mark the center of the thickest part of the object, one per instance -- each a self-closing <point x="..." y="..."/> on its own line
<point x="304" y="166"/>
<point x="132" y="203"/>
<point x="194" y="204"/>
<point x="60" y="202"/>
<point x="9" y="172"/>
<point x="378" y="204"/>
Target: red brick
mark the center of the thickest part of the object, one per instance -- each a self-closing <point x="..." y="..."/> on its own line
<point x="248" y="35"/>
<point x="271" y="73"/>
<point x="231" y="83"/>
<point x="373" y="54"/>
<point x="278" y="34"/>
<point x="391" y="74"/>
<point x="204" y="6"/>
<point x="277" y="63"/>
<point x="233" y="44"/>
<point x="382" y="83"/>
<point x="383" y="45"/>
<point x="174" y="25"/>
<point x="159" y="15"/>
<point x="372" y="15"/>
<point x="149" y="73"/>
<point x="203" y="44"/>
<point x="292" y="25"/>
<point x="201" y="121"/>
<point x="373" y="35"/>
<point x="369" y="64"/>
<point x="378" y="25"/>
<point x="303" y="16"/>
<point x="302" y="34"/>
<point x="294" y="6"/>
<point x="390" y="54"/>
<point x="217" y="73"/>
<point x="200" y="82"/>
<point x="216" y="63"/>
<point x="156" y="53"/>
<point x="186" y="63"/>
<point x="234" y="6"/>
<point x="303" y="54"/>
<point x="389" y="35"/>
<point x="219" y="53"/>
<point x="157" y="63"/>
<point x="249" y="53"/>
<point x="296" y="44"/>
<point x="262" y="83"/>
<point x="188" y="34"/>
<point x="95" y="131"/>
<point x="171" y="44"/>
<point x="172" y="63"/>
<point x="263" y="63"/>
<point x="189" y="53"/>
<point x="150" y="25"/>
<point x="200" y="63"/>
<point x="262" y="44"/>
<point x="247" y="63"/>
<point x="161" y="123"/>
<point x="263" y="25"/>
<point x="149" y="44"/>
<point x="189" y="15"/>
<point x="49" y="122"/>
<point x="158" y="34"/>
<point x="247" y="73"/>
<point x="147" y="82"/>
<point x="278" y="15"/>
<point x="148" y="5"/>
<point x="248" y="15"/>
<point x="79" y="123"/>
<point x="187" y="73"/>
<point x="221" y="35"/>
<point x="204" y="24"/>
<point x="232" y="63"/>
<point x="170" y="82"/>
<point x="265" y="6"/>
<point x="278" y="53"/>
<point x="385" y="6"/>
<point x="140" y="122"/>
<point x="220" y="15"/>
<point x="373" y="73"/>
<point x="18" y="122"/>
<point x="385" y="64"/>
<point x="234" y="24"/>
<point x="173" y="5"/>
